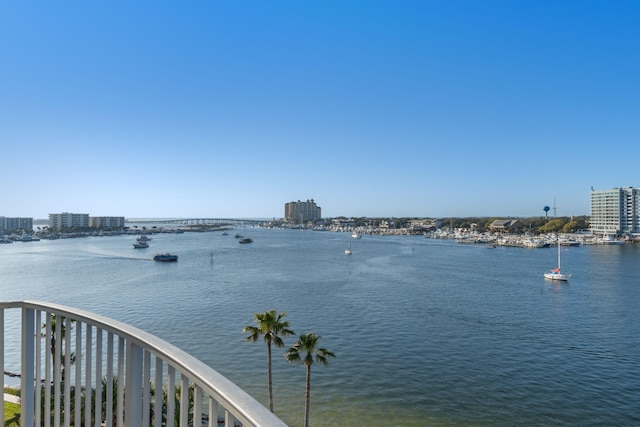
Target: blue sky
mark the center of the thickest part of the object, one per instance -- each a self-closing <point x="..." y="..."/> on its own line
<point x="372" y="108"/>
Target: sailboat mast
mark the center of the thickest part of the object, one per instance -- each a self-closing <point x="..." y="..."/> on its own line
<point x="558" y="254"/>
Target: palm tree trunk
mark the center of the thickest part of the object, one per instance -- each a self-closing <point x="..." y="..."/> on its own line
<point x="270" y="384"/>
<point x="307" y="397"/>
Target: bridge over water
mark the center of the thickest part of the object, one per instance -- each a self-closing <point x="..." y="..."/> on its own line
<point x="198" y="221"/>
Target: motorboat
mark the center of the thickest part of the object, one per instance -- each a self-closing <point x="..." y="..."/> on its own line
<point x="166" y="258"/>
<point x="532" y="243"/>
<point x="609" y="240"/>
<point x="245" y="240"/>
<point x="140" y="245"/>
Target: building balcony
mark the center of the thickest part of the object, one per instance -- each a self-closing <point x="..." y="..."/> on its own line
<point x="79" y="368"/>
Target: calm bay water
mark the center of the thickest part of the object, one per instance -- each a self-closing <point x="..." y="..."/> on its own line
<point x="426" y="332"/>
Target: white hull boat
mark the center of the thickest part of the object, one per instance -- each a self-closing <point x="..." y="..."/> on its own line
<point x="555" y="273"/>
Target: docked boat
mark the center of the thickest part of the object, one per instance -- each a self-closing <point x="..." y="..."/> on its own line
<point x="166" y="258"/>
<point x="140" y="245"/>
<point x="532" y="243"/>
<point x="609" y="240"/>
<point x="245" y="240"/>
<point x="556" y="274"/>
<point x="356" y="235"/>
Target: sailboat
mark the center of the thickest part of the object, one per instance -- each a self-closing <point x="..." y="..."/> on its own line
<point x="555" y="273"/>
<point x="348" y="250"/>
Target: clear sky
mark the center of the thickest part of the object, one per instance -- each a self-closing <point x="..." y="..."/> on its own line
<point x="372" y="108"/>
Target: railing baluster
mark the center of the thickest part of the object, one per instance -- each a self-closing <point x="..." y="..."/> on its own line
<point x="213" y="412"/>
<point x="228" y="419"/>
<point x="87" y="375"/>
<point x="67" y="372"/>
<point x="171" y="396"/>
<point x="98" y="405"/>
<point x="47" y="375"/>
<point x="133" y="385"/>
<point x="108" y="416"/>
<point x="197" y="406"/>
<point x="38" y="380"/>
<point x="146" y="384"/>
<point x="78" y="401"/>
<point x="121" y="362"/>
<point x="184" y="401"/>
<point x="157" y="410"/>
<point x="56" y="370"/>
<point x="28" y="344"/>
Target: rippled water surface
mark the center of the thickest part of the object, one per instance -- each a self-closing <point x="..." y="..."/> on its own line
<point x="426" y="332"/>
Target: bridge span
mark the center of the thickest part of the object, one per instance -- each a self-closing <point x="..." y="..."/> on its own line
<point x="198" y="221"/>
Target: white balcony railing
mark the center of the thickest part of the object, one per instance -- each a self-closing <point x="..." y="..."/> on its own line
<point x="73" y="364"/>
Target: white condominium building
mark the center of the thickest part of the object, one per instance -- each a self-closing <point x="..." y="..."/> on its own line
<point x="68" y="220"/>
<point x="615" y="211"/>
<point x="106" y="222"/>
<point x="16" y="224"/>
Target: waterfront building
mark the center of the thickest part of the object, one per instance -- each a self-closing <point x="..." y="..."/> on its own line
<point x="299" y="212"/>
<point x="615" y="211"/>
<point x="106" y="222"/>
<point x="68" y="220"/>
<point x="505" y="224"/>
<point x="15" y="224"/>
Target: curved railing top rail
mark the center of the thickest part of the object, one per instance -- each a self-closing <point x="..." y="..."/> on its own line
<point x="227" y="393"/>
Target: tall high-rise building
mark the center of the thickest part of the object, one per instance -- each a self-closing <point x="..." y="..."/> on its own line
<point x="300" y="212"/>
<point x="615" y="211"/>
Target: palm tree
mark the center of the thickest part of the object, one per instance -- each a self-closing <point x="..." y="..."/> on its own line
<point x="308" y="343"/>
<point x="271" y="327"/>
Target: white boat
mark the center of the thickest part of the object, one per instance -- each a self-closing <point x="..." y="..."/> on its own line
<point x="532" y="243"/>
<point x="569" y="242"/>
<point x="140" y="245"/>
<point x="608" y="240"/>
<point x="356" y="235"/>
<point x="556" y="274"/>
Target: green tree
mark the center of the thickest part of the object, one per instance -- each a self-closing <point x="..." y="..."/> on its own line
<point x="308" y="344"/>
<point x="272" y="328"/>
<point x="554" y="225"/>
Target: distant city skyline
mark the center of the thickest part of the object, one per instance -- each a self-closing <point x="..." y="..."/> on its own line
<point x="372" y="108"/>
